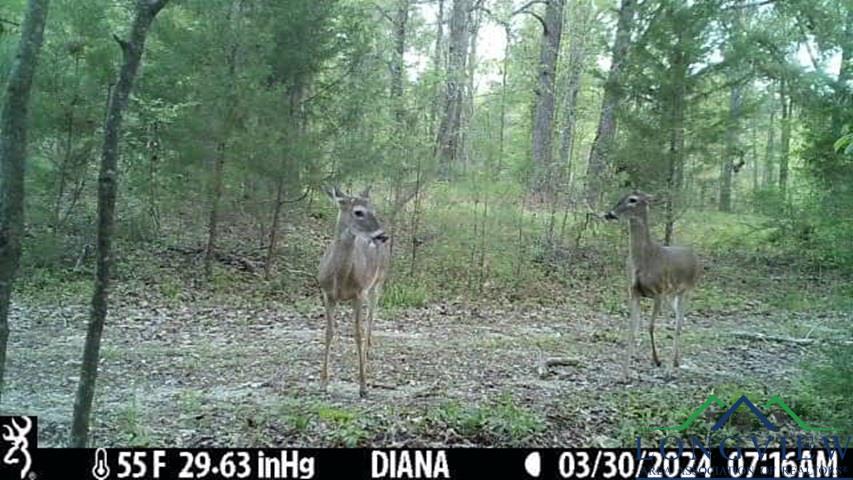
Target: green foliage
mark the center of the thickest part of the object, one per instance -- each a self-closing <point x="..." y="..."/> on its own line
<point x="501" y="421"/>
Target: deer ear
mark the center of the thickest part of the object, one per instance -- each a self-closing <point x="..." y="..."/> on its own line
<point x="365" y="194"/>
<point x="335" y="194"/>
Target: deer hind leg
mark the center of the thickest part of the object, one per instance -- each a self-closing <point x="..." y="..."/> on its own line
<point x="330" y="335"/>
<point x="634" y="303"/>
<point x="678" y="306"/>
<point x="655" y="312"/>
<point x="360" y="347"/>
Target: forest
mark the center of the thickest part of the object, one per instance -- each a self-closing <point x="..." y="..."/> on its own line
<point x="172" y="172"/>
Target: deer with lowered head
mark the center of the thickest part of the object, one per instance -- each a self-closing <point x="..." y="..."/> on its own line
<point x="354" y="269"/>
<point x="654" y="270"/>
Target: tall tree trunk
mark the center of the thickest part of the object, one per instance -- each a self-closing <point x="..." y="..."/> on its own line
<point x="215" y="195"/>
<point x="13" y="157"/>
<point x="468" y="100"/>
<point x="785" y="141"/>
<point x="401" y="19"/>
<point x="675" y="176"/>
<point x="767" y="177"/>
<point x="438" y="64"/>
<point x="732" y="149"/>
<point x="216" y="185"/>
<point x="577" y="61"/>
<point x="600" y="151"/>
<point x="543" y="110"/>
<point x="504" y="77"/>
<point x="279" y="201"/>
<point x="449" y="130"/>
<point x="132" y="50"/>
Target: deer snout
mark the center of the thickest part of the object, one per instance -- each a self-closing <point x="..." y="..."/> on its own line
<point x="610" y="215"/>
<point x="380" y="236"/>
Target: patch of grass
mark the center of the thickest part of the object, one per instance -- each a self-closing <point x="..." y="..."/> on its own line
<point x="501" y="422"/>
<point x="401" y="294"/>
<point x="132" y="425"/>
<point x="345" y="427"/>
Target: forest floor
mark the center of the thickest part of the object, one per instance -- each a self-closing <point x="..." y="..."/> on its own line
<point x="243" y="372"/>
<point x="235" y="361"/>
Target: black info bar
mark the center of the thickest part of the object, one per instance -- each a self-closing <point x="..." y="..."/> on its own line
<point x="450" y="463"/>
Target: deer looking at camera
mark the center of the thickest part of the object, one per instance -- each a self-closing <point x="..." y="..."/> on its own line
<point x="654" y="270"/>
<point x="354" y="269"/>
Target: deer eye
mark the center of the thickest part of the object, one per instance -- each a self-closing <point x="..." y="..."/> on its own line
<point x="632" y="200"/>
<point x="358" y="213"/>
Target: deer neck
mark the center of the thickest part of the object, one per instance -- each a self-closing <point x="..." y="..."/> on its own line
<point x="642" y="247"/>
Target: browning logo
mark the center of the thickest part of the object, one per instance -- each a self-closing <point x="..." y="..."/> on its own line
<point x="18" y="435"/>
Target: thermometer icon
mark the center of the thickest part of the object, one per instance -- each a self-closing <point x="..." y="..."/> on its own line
<point x="101" y="470"/>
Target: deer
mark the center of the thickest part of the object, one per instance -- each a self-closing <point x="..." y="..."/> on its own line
<point x="654" y="270"/>
<point x="353" y="269"/>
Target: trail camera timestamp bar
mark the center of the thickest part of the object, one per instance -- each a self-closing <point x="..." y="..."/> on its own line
<point x="450" y="463"/>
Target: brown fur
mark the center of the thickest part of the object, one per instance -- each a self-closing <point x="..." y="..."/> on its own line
<point x="654" y="270"/>
<point x="354" y="269"/>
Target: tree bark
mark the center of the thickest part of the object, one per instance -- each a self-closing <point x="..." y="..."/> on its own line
<point x="577" y="61"/>
<point x="132" y="48"/>
<point x="732" y="149"/>
<point x="448" y="145"/>
<point x="785" y="140"/>
<point x="216" y="186"/>
<point x="767" y="177"/>
<point x="401" y="19"/>
<point x="13" y="157"/>
<point x="677" y="106"/>
<point x="600" y="151"/>
<point x="543" y="113"/>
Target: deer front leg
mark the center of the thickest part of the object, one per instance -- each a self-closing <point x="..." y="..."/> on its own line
<point x="678" y="306"/>
<point x="360" y="347"/>
<point x="634" y="303"/>
<point x="373" y="299"/>
<point x="655" y="312"/>
<point x="330" y="335"/>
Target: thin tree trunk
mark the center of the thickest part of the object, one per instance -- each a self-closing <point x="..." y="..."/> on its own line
<point x="398" y="64"/>
<point x="732" y="149"/>
<point x="675" y="177"/>
<point x="577" y="61"/>
<point x="438" y="65"/>
<point x="767" y="177"/>
<point x="216" y="186"/>
<point x="13" y="157"/>
<point x="213" y="214"/>
<point x="785" y="140"/>
<point x="502" y="124"/>
<point x="468" y="101"/>
<point x="543" y="110"/>
<point x="279" y="201"/>
<point x="448" y="145"/>
<point x="132" y="49"/>
<point x="600" y="151"/>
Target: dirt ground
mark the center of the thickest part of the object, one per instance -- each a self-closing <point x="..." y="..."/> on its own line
<point x="246" y="373"/>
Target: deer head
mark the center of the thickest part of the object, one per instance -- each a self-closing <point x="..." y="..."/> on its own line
<point x="632" y="205"/>
<point x="357" y="216"/>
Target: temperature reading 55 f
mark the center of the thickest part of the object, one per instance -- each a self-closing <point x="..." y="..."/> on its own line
<point x="136" y="464"/>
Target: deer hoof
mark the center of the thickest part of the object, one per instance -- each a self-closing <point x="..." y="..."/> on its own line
<point x="656" y="362"/>
<point x="362" y="393"/>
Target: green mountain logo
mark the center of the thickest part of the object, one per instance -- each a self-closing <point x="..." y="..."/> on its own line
<point x="743" y="401"/>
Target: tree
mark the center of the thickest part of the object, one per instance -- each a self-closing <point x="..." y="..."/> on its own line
<point x="132" y="48"/>
<point x="543" y="110"/>
<point x="578" y="50"/>
<point x="604" y="135"/>
<point x="13" y="155"/>
<point x="449" y="131"/>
